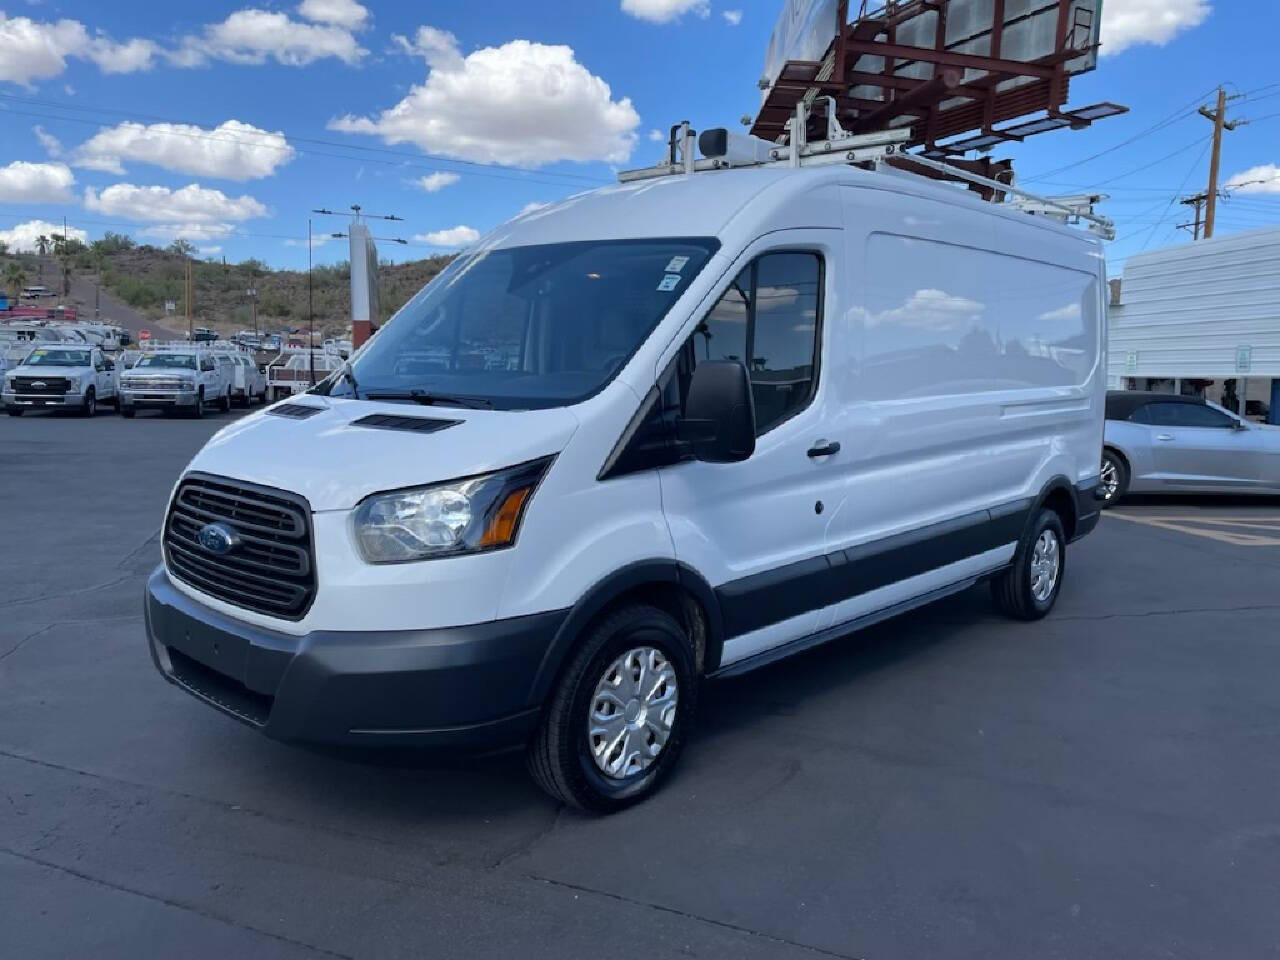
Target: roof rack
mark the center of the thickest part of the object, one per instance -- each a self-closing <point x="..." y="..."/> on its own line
<point x="882" y="150"/>
<point x="211" y="346"/>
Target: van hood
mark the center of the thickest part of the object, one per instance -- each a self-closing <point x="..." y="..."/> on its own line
<point x="334" y="461"/>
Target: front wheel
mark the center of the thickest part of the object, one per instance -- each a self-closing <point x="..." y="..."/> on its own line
<point x="1029" y="588"/>
<point x="14" y="411"/>
<point x="128" y="413"/>
<point x="618" y="717"/>
<point x="90" y="405"/>
<point x="224" y="402"/>
<point x="1115" y="478"/>
<point x="198" y="410"/>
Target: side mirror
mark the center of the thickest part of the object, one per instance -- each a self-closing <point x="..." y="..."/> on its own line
<point x="1239" y="425"/>
<point x="720" y="418"/>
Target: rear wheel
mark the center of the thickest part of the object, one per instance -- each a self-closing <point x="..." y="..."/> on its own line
<point x="1115" y="478"/>
<point x="1029" y="588"/>
<point x="617" y="719"/>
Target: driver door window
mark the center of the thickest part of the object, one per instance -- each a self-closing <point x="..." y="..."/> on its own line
<point x="770" y="313"/>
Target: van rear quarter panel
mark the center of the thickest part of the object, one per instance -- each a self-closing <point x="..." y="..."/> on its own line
<point x="975" y="374"/>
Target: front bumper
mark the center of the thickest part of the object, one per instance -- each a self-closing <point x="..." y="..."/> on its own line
<point x="466" y="689"/>
<point x="25" y="400"/>
<point x="141" y="399"/>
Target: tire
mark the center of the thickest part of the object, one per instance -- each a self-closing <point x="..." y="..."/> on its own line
<point x="1015" y="590"/>
<point x="14" y="411"/>
<point x="224" y="402"/>
<point x="561" y="757"/>
<point x="90" y="406"/>
<point x="198" y="410"/>
<point x="1115" y="478"/>
<point x="128" y="413"/>
<point x="115" y="403"/>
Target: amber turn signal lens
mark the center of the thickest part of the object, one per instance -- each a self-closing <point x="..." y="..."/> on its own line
<point x="502" y="528"/>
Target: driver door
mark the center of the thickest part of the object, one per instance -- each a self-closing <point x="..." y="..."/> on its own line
<point x="1195" y="445"/>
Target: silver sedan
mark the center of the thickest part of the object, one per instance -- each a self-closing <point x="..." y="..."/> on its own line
<point x="1160" y="443"/>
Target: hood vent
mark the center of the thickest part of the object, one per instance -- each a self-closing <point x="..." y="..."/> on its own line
<point x="295" y="411"/>
<point x="393" y="421"/>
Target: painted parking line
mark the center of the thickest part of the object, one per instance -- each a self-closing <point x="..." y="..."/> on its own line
<point x="1232" y="530"/>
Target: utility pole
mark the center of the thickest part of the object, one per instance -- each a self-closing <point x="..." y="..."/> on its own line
<point x="1198" y="203"/>
<point x="252" y="294"/>
<point x="1220" y="123"/>
<point x="190" y="311"/>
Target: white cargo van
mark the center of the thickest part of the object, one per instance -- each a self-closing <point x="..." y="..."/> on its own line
<point x="671" y="429"/>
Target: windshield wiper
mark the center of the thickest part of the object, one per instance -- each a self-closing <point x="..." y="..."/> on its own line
<point x="429" y="399"/>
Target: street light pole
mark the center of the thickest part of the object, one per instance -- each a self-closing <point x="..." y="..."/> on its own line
<point x="311" y="316"/>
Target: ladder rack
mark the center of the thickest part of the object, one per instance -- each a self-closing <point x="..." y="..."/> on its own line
<point x="880" y="151"/>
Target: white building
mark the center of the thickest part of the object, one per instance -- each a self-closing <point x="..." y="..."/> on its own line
<point x="1202" y="318"/>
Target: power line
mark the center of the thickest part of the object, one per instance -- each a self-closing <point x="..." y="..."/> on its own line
<point x="1180" y="114"/>
<point x="1174" y="199"/>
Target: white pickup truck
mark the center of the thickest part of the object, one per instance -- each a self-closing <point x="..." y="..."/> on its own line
<point x="168" y="379"/>
<point x="70" y="377"/>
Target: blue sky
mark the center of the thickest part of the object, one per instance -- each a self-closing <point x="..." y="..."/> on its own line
<point x="226" y="123"/>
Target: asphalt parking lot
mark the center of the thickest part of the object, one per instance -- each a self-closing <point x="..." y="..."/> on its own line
<point x="947" y="785"/>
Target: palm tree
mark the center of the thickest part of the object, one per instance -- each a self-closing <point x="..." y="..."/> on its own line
<point x="15" y="277"/>
<point x="42" y="245"/>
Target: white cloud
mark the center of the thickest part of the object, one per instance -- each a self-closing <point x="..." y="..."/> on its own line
<point x="253" y="36"/>
<point x="532" y="207"/>
<point x="1130" y="23"/>
<point x="128" y="57"/>
<point x="317" y="240"/>
<point x="33" y="50"/>
<point x="52" y="145"/>
<point x="209" y="251"/>
<point x="230" y="151"/>
<point x="1263" y="179"/>
<point x="459" y="236"/>
<point x="191" y="232"/>
<point x="523" y="103"/>
<point x="23" y="182"/>
<point x="340" y="13"/>
<point x="732" y="17"/>
<point x="433" y="182"/>
<point x="657" y="136"/>
<point x="664" y="11"/>
<point x="193" y="204"/>
<point x="23" y="236"/>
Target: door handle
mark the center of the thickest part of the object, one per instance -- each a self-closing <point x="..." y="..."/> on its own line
<point x="824" y="448"/>
<point x="1164" y="437"/>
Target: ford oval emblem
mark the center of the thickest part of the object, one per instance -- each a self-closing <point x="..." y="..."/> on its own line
<point x="38" y="384"/>
<point x="218" y="538"/>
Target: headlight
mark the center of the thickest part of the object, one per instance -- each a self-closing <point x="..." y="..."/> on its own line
<point x="447" y="519"/>
<point x="73" y="384"/>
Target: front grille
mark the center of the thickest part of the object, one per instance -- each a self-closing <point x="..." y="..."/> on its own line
<point x="49" y="386"/>
<point x="271" y="570"/>
<point x="156" y="383"/>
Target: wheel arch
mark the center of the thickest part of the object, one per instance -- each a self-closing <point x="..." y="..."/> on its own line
<point x="667" y="584"/>
<point x="1059" y="495"/>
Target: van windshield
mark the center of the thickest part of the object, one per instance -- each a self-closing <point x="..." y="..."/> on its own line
<point x="524" y="327"/>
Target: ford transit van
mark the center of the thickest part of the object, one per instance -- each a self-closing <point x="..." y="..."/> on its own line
<point x="664" y="431"/>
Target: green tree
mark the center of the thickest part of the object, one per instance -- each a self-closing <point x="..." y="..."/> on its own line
<point x="15" y="277"/>
<point x="42" y="245"/>
<point x="183" y="248"/>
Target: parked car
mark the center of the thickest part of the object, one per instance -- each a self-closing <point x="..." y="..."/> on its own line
<point x="175" y="379"/>
<point x="204" y="335"/>
<point x="70" y="377"/>
<point x="248" y="383"/>
<point x="1161" y="443"/>
<point x="712" y="423"/>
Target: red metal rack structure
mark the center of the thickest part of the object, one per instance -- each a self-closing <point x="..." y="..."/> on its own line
<point x="942" y="91"/>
